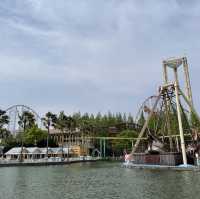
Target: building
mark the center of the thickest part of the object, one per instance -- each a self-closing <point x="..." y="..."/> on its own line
<point x="79" y="143"/>
<point x="37" y="153"/>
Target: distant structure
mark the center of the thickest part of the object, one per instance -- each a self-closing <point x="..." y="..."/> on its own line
<point x="34" y="153"/>
<point x="166" y="121"/>
<point x="14" y="111"/>
<point x="74" y="139"/>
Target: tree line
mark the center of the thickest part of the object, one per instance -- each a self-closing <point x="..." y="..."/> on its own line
<point x="99" y="125"/>
<point x="31" y="135"/>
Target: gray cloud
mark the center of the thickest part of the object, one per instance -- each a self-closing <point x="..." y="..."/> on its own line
<point x="92" y="55"/>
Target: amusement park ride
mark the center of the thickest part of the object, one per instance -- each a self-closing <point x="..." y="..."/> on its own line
<point x="171" y="140"/>
<point x="14" y="111"/>
<point x="167" y="134"/>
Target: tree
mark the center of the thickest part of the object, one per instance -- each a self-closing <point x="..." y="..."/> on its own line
<point x="173" y="119"/>
<point x="98" y="118"/>
<point x="111" y="119"/>
<point x="92" y="118"/>
<point x="141" y="121"/>
<point x="9" y="143"/>
<point x="130" y="118"/>
<point x="34" y="135"/>
<point x="70" y="123"/>
<point x="62" y="123"/>
<point x="4" y="134"/>
<point x="48" y="121"/>
<point x="4" y="119"/>
<point x="195" y="121"/>
<point x="124" y="118"/>
<point x="119" y="118"/>
<point x="26" y="121"/>
<point x="118" y="146"/>
<point x="77" y="118"/>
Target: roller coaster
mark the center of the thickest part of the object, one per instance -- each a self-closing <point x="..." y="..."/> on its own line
<point x="14" y="111"/>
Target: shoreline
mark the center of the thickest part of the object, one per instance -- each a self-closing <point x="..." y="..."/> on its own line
<point x="47" y="163"/>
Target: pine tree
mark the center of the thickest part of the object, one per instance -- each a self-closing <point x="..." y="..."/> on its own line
<point x="195" y="123"/>
<point x="124" y="118"/>
<point x="141" y="121"/>
<point x="130" y="118"/>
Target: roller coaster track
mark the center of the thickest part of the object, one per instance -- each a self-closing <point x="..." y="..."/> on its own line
<point x="14" y="111"/>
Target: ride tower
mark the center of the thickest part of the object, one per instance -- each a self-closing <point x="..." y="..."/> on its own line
<point x="166" y="119"/>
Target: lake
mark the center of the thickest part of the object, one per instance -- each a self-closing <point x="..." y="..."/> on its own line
<point x="100" y="180"/>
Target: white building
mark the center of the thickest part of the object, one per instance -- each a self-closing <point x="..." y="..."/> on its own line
<point x="36" y="152"/>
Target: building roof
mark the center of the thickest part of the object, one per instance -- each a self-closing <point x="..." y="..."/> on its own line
<point x="33" y="150"/>
<point x="44" y="150"/>
<point x="16" y="151"/>
<point x="36" y="150"/>
<point x="58" y="150"/>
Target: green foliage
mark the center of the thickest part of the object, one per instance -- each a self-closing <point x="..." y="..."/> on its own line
<point x="64" y="122"/>
<point x="4" y="133"/>
<point x="128" y="134"/>
<point x="118" y="146"/>
<point x="141" y="121"/>
<point x="195" y="121"/>
<point x="4" y="119"/>
<point x="26" y="120"/>
<point x="153" y="121"/>
<point x="89" y="124"/>
<point x="130" y="118"/>
<point x="9" y="143"/>
<point x="119" y="118"/>
<point x="49" y="120"/>
<point x="34" y="135"/>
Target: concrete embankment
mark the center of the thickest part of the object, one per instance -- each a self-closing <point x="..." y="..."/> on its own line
<point x="162" y="167"/>
<point x="45" y="163"/>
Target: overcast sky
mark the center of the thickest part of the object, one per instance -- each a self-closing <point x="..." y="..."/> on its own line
<point x="93" y="55"/>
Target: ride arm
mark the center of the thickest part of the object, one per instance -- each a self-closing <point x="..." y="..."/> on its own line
<point x="146" y="124"/>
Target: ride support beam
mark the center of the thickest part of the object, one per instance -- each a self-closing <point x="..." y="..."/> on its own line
<point x="179" y="117"/>
<point x="165" y="75"/>
<point x="167" y="106"/>
<point x="187" y="80"/>
<point x="146" y="124"/>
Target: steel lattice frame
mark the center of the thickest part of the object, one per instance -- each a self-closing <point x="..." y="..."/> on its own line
<point x="14" y="111"/>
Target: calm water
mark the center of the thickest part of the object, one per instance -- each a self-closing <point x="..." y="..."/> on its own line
<point x="96" y="180"/>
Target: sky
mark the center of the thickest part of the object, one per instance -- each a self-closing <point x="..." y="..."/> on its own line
<point x="93" y="55"/>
